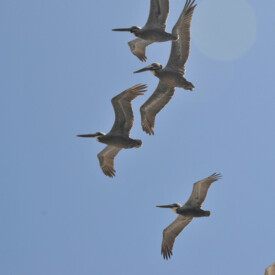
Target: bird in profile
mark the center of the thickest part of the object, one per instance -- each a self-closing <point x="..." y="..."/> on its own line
<point x="191" y="209"/>
<point x="170" y="76"/>
<point x="119" y="136"/>
<point x="153" y="31"/>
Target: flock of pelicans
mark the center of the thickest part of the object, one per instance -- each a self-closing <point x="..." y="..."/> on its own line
<point x="170" y="76"/>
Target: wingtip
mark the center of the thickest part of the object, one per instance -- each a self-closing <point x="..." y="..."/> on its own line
<point x="216" y="176"/>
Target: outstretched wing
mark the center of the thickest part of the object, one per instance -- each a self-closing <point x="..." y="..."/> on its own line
<point x="159" y="10"/>
<point x="154" y="105"/>
<point x="200" y="190"/>
<point x="124" y="117"/>
<point x="180" y="49"/>
<point x="106" y="160"/>
<point x="138" y="48"/>
<point x="170" y="234"/>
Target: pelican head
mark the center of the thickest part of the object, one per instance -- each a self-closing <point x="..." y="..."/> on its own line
<point x="134" y="30"/>
<point x="173" y="206"/>
<point x="152" y="67"/>
<point x="95" y="135"/>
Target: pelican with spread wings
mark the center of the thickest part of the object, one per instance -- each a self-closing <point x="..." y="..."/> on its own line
<point x="172" y="75"/>
<point x="191" y="209"/>
<point x="118" y="138"/>
<point x="153" y="31"/>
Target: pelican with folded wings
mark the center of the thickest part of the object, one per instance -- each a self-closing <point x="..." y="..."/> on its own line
<point x="172" y="75"/>
<point x="118" y="138"/>
<point x="191" y="209"/>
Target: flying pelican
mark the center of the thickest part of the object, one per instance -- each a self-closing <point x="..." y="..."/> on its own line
<point x="172" y="75"/>
<point x="191" y="209"/>
<point x="153" y="31"/>
<point x="118" y="137"/>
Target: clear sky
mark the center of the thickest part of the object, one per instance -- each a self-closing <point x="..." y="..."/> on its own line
<point x="60" y="66"/>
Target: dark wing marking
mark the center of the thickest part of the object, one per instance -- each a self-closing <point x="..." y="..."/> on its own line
<point x="124" y="117"/>
<point x="170" y="234"/>
<point x="200" y="190"/>
<point x="138" y="48"/>
<point x="180" y="49"/>
<point x="159" y="10"/>
<point x="106" y="160"/>
<point x="154" y="104"/>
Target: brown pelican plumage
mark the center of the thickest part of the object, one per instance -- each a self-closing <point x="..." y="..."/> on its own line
<point x="153" y="31"/>
<point x="172" y="75"/>
<point x="270" y="270"/>
<point x="138" y="48"/>
<point x="118" y="138"/>
<point x="191" y="209"/>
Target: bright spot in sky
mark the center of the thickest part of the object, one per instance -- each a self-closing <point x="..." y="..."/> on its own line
<point x="224" y="29"/>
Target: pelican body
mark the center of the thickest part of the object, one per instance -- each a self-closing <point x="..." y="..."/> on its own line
<point x="191" y="209"/>
<point x="152" y="35"/>
<point x="119" y="136"/>
<point x="171" y="75"/>
<point x="172" y="78"/>
<point x="118" y="141"/>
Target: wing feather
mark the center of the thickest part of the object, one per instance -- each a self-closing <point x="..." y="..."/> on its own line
<point x="180" y="49"/>
<point x="170" y="234"/>
<point x="156" y="102"/>
<point x="106" y="160"/>
<point x="159" y="10"/>
<point x="124" y="117"/>
<point x="138" y="48"/>
<point x="200" y="190"/>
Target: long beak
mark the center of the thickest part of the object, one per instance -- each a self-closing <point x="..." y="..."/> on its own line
<point x="166" y="206"/>
<point x="87" y="135"/>
<point x="148" y="68"/>
<point x="122" y="30"/>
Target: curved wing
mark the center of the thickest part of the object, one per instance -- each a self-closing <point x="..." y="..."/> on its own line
<point x="170" y="234"/>
<point x="138" y="48"/>
<point x="200" y="190"/>
<point x="154" y="104"/>
<point x="159" y="10"/>
<point x="180" y="48"/>
<point x="106" y="160"/>
<point x="123" y="110"/>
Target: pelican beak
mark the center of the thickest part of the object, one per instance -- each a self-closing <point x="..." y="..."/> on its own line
<point x="122" y="30"/>
<point x="148" y="68"/>
<point x="87" y="135"/>
<point x="166" y="206"/>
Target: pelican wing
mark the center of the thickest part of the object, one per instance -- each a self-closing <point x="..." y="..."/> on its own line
<point x="270" y="270"/>
<point x="200" y="190"/>
<point x="159" y="10"/>
<point x="154" y="105"/>
<point x="180" y="48"/>
<point x="106" y="160"/>
<point x="170" y="234"/>
<point x="123" y="110"/>
<point x="138" y="48"/>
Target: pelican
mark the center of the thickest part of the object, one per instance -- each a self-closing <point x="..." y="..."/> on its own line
<point x="172" y="75"/>
<point x="191" y="209"/>
<point x="153" y="31"/>
<point x="118" y="137"/>
<point x="270" y="270"/>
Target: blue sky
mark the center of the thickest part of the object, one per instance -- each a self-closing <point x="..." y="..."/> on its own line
<point x="61" y="65"/>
